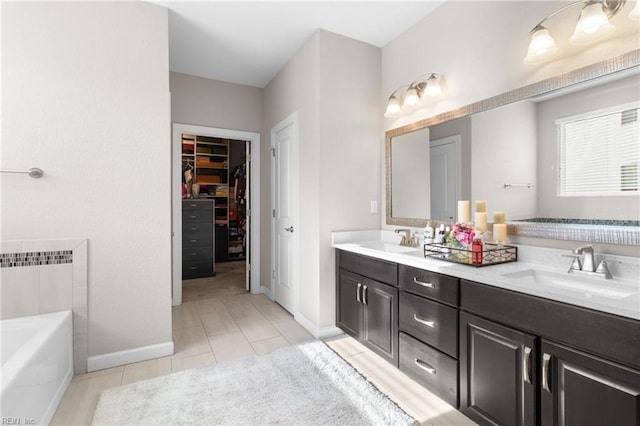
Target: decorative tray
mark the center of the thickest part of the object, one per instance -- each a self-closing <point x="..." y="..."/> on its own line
<point x="491" y="254"/>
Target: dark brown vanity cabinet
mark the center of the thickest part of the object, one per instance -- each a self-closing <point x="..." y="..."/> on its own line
<point x="497" y="373"/>
<point x="429" y="330"/>
<point x="367" y="302"/>
<point x="528" y="360"/>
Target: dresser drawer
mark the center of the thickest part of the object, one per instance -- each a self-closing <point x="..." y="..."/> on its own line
<point x="193" y="254"/>
<point x="429" y="284"/>
<point x="197" y="234"/>
<point x="377" y="269"/>
<point x="431" y="322"/>
<point x="202" y="216"/>
<point x="197" y="269"/>
<point x="430" y="368"/>
<point x="191" y="205"/>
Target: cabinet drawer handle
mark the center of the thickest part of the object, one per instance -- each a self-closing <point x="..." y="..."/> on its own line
<point x="365" y="295"/>
<point x="194" y="229"/>
<point x="193" y="267"/>
<point x="546" y="359"/>
<point x="426" y="367"/>
<point x="358" y="297"/>
<point x="193" y="254"/>
<point x="193" y="216"/>
<point x="526" y="365"/>
<point x="193" y="241"/>
<point x="431" y="324"/>
<point x="422" y="283"/>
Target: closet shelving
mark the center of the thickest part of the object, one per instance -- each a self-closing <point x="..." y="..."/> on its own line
<point x="210" y="160"/>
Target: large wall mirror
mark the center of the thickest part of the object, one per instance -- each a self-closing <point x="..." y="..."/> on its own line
<point x="505" y="150"/>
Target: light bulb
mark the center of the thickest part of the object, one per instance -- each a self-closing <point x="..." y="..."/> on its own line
<point x="393" y="107"/>
<point x="411" y="97"/>
<point x="593" y="24"/>
<point x="541" y="47"/>
<point x="635" y="12"/>
<point x="433" y="86"/>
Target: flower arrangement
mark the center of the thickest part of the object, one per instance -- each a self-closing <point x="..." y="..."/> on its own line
<point x="461" y="234"/>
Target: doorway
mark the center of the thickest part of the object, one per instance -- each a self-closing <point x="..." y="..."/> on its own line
<point x="444" y="163"/>
<point x="244" y="237"/>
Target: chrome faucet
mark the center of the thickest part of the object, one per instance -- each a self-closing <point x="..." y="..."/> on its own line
<point x="588" y="264"/>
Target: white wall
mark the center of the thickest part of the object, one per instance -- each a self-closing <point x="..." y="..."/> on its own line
<point x="333" y="85"/>
<point x="86" y="98"/>
<point x="504" y="151"/>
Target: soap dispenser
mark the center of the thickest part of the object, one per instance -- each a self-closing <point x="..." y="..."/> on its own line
<point x="427" y="234"/>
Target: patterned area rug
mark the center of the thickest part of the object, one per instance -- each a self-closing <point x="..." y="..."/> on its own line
<point x="298" y="385"/>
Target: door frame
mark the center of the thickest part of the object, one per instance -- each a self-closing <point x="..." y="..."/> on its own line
<point x="176" y="201"/>
<point x="291" y="120"/>
<point x="457" y="142"/>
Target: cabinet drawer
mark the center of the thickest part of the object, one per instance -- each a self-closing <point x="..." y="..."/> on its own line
<point x="431" y="322"/>
<point x="193" y="254"/>
<point x="202" y="216"/>
<point x="430" y="368"/>
<point x="197" y="269"/>
<point x="197" y="235"/>
<point x="429" y="284"/>
<point x="197" y="205"/>
<point x="377" y="269"/>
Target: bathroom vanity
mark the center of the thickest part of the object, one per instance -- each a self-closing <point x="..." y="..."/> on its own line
<point x="511" y="344"/>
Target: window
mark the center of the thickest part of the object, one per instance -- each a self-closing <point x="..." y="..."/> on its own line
<point x="599" y="152"/>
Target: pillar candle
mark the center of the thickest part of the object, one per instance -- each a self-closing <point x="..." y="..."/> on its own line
<point x="464" y="212"/>
<point x="481" y="221"/>
<point x="500" y="232"/>
<point x="498" y="217"/>
<point x="481" y="206"/>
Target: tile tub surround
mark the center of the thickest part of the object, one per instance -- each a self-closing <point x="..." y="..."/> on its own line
<point x="44" y="276"/>
<point x="625" y="270"/>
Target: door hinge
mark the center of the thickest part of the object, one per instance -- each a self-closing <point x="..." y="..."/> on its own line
<point x="273" y="151"/>
<point x="273" y="213"/>
<point x="248" y="159"/>
<point x="273" y="273"/>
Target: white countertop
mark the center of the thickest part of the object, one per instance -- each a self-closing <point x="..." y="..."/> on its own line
<point x="538" y="272"/>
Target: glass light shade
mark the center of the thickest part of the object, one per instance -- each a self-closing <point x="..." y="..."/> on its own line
<point x="433" y="86"/>
<point x="635" y="12"/>
<point x="592" y="25"/>
<point x="393" y="107"/>
<point x="411" y="97"/>
<point x="541" y="47"/>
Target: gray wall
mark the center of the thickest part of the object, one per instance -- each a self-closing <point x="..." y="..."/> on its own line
<point x="549" y="204"/>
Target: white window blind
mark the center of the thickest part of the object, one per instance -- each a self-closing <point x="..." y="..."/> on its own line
<point x="599" y="152"/>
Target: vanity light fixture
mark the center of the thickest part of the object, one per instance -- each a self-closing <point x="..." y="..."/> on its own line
<point x="428" y="84"/>
<point x="592" y="25"/>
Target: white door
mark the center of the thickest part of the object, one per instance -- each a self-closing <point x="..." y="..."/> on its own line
<point x="444" y="163"/>
<point x="284" y="204"/>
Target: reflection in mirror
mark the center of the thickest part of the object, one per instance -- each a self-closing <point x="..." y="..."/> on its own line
<point x="410" y="182"/>
<point x="513" y="139"/>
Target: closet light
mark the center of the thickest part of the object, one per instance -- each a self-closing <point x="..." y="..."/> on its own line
<point x="592" y="25"/>
<point x="428" y="84"/>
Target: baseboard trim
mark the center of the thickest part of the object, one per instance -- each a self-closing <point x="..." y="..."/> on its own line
<point x="317" y="332"/>
<point x="143" y="353"/>
<point x="266" y="291"/>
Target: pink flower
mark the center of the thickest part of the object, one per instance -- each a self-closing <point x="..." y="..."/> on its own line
<point x="463" y="233"/>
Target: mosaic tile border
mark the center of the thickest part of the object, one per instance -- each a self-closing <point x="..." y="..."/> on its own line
<point x="36" y="258"/>
<point x="607" y="222"/>
<point x="619" y="235"/>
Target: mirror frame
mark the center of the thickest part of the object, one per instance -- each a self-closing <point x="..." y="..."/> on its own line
<point x="627" y="235"/>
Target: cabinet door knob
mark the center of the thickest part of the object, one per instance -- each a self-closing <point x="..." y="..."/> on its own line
<point x="423" y="321"/>
<point x="423" y="365"/>
<point x="546" y="383"/>
<point x="422" y="283"/>
<point x="526" y="365"/>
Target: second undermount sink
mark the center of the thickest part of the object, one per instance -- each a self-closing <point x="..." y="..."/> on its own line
<point x="570" y="283"/>
<point x="389" y="247"/>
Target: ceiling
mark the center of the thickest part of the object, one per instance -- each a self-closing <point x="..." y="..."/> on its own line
<point x="248" y="42"/>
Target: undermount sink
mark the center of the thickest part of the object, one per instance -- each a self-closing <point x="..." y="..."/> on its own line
<point x="572" y="283"/>
<point x="389" y="247"/>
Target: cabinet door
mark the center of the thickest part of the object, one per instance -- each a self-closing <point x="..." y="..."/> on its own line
<point x="580" y="389"/>
<point x="497" y="373"/>
<point x="381" y="318"/>
<point x="350" y="311"/>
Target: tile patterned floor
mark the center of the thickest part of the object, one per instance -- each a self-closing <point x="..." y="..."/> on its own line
<point x="219" y="321"/>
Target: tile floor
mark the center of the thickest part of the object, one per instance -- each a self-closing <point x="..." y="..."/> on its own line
<point x="219" y="321"/>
